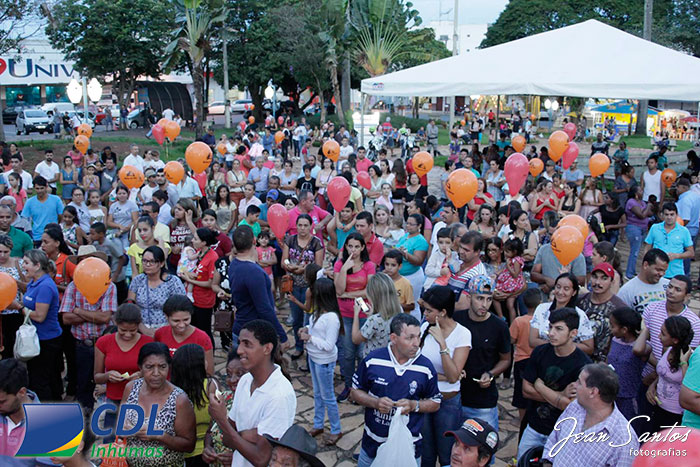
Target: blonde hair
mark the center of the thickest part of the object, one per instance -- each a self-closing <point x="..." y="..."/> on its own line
<point x="382" y="293"/>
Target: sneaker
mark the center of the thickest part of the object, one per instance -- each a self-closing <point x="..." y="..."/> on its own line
<point x="344" y="395"/>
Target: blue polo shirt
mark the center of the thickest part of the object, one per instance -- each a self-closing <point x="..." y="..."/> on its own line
<point x="688" y="205"/>
<point x="380" y="375"/>
<point x="675" y="241"/>
<point x="44" y="290"/>
<point x="42" y="213"/>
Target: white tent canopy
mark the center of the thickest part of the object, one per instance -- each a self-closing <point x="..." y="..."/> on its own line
<point x="589" y="59"/>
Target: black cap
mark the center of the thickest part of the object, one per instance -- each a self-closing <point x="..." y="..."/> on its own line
<point x="298" y="439"/>
<point x="477" y="432"/>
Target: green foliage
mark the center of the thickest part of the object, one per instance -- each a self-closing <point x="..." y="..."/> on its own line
<point x="14" y="17"/>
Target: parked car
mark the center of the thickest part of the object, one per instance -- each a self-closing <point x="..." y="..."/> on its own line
<point x="217" y="108"/>
<point x="81" y="117"/>
<point x="239" y="105"/>
<point x="60" y="106"/>
<point x="9" y="114"/>
<point x="134" y="119"/>
<point x="29" y="120"/>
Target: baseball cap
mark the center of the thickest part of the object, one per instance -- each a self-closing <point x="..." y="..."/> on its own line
<point x="273" y="194"/>
<point x="477" y="432"/>
<point x="149" y="172"/>
<point x="606" y="269"/>
<point x="480" y="285"/>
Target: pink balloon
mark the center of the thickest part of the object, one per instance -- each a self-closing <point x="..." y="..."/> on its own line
<point x="517" y="167"/>
<point x="339" y="192"/>
<point x="280" y="120"/>
<point x="570" y="155"/>
<point x="242" y="125"/>
<point x="158" y="133"/>
<point x="363" y="180"/>
<point x="278" y="218"/>
<point x="570" y="130"/>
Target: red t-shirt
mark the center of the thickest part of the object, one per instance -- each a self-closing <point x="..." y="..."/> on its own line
<point x="363" y="165"/>
<point x="223" y="248"/>
<point x="354" y="282"/>
<point x="241" y="158"/>
<point x="199" y="337"/>
<point x="205" y="297"/>
<point x="478" y="202"/>
<point x="201" y="179"/>
<point x="539" y="202"/>
<point x="409" y="171"/>
<point x="375" y="248"/>
<point x="118" y="360"/>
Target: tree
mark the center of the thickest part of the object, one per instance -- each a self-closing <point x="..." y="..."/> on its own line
<point x="331" y="19"/>
<point x="195" y="22"/>
<point x="120" y="39"/>
<point x="15" y="17"/>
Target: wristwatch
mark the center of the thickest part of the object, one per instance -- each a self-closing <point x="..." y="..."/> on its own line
<point x="445" y="351"/>
<point x="417" y="409"/>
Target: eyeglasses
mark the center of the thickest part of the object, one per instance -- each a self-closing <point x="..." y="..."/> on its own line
<point x="149" y="261"/>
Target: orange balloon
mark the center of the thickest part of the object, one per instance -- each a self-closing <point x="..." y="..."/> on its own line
<point x="8" y="290"/>
<point x="221" y="148"/>
<point x="463" y="122"/>
<point x="536" y="166"/>
<point x="567" y="244"/>
<point x="92" y="278"/>
<point x="558" y="141"/>
<point x="131" y="177"/>
<point x="162" y="122"/>
<point x="251" y="119"/>
<point x="172" y="130"/>
<point x="422" y="163"/>
<point x="82" y="143"/>
<point x="518" y="143"/>
<point x="575" y="221"/>
<point x="279" y="136"/>
<point x="668" y="176"/>
<point x="461" y="187"/>
<point x="198" y="156"/>
<point x="174" y="172"/>
<point x="331" y="149"/>
<point x="598" y="164"/>
<point x="85" y="130"/>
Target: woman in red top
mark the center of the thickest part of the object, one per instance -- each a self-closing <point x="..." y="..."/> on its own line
<point x="179" y="310"/>
<point x="204" y="296"/>
<point x="116" y="356"/>
<point x="482" y="196"/>
<point x="545" y="199"/>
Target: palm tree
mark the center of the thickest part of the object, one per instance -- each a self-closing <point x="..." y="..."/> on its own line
<point x="193" y="34"/>
<point x="332" y="34"/>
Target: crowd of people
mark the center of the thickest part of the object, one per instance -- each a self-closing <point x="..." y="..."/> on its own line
<point x="429" y="309"/>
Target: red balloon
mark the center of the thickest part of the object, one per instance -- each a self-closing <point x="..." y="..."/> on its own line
<point x="158" y="133"/>
<point x="516" y="169"/>
<point x="242" y="125"/>
<point x="339" y="192"/>
<point x="570" y="154"/>
<point x="363" y="180"/>
<point x="280" y="120"/>
<point x="570" y="130"/>
<point x="685" y="440"/>
<point x="278" y="218"/>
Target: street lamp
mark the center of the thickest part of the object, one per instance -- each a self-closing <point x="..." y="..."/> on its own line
<point x="76" y="92"/>
<point x="94" y="90"/>
<point x="555" y="105"/>
<point x="547" y="104"/>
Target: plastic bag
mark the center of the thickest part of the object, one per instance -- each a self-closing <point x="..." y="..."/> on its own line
<point x="398" y="448"/>
<point x="109" y="453"/>
<point x="27" y="341"/>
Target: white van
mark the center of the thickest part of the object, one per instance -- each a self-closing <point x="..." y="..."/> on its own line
<point x="60" y="106"/>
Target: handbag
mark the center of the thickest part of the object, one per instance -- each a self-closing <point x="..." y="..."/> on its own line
<point x="223" y="319"/>
<point x="27" y="341"/>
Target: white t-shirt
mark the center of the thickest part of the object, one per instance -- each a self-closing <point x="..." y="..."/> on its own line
<point x="46" y="171"/>
<point x="168" y="114"/>
<point x="157" y="164"/>
<point x="270" y="408"/>
<point x="459" y="337"/>
<point x="164" y="215"/>
<point x="638" y="294"/>
<point x="540" y="321"/>
<point x="321" y="347"/>
<point x="345" y="151"/>
<point x="652" y="185"/>
<point x="147" y="193"/>
<point x="26" y="179"/>
<point x="134" y="160"/>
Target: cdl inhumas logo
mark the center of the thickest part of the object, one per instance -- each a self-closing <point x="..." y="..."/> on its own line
<point x="53" y="430"/>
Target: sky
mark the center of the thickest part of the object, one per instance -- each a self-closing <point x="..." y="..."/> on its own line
<point x="470" y="11"/>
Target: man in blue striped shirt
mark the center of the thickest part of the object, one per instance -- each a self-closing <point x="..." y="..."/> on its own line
<point x="395" y="377"/>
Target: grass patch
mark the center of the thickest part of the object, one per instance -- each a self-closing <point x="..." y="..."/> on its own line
<point x="644" y="142"/>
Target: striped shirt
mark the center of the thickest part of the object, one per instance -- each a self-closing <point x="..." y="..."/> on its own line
<point x="654" y="316"/>
<point x="610" y="443"/>
<point x="72" y="299"/>
<point x="380" y="375"/>
<point x="458" y="281"/>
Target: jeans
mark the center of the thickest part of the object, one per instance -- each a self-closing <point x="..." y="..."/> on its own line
<point x="530" y="439"/>
<point x="365" y="461"/>
<point x="435" y="445"/>
<point x="612" y="236"/>
<point x="351" y="353"/>
<point x="324" y="395"/>
<point x="298" y="316"/>
<point x="85" y="363"/>
<point x="489" y="415"/>
<point x="634" y="236"/>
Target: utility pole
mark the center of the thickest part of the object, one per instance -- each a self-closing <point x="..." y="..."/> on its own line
<point x="227" y="104"/>
<point x="455" y="51"/>
<point x="644" y="104"/>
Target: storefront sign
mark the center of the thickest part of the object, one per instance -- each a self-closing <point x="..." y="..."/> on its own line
<point x="35" y="70"/>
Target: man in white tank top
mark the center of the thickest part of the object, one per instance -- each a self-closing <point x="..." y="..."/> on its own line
<point x="651" y="181"/>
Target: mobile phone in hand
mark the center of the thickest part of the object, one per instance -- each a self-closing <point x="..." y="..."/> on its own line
<point x="361" y="303"/>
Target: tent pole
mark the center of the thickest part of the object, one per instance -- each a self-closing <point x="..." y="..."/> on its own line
<point x="362" y="119"/>
<point x="697" y="128"/>
<point x="498" y="117"/>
